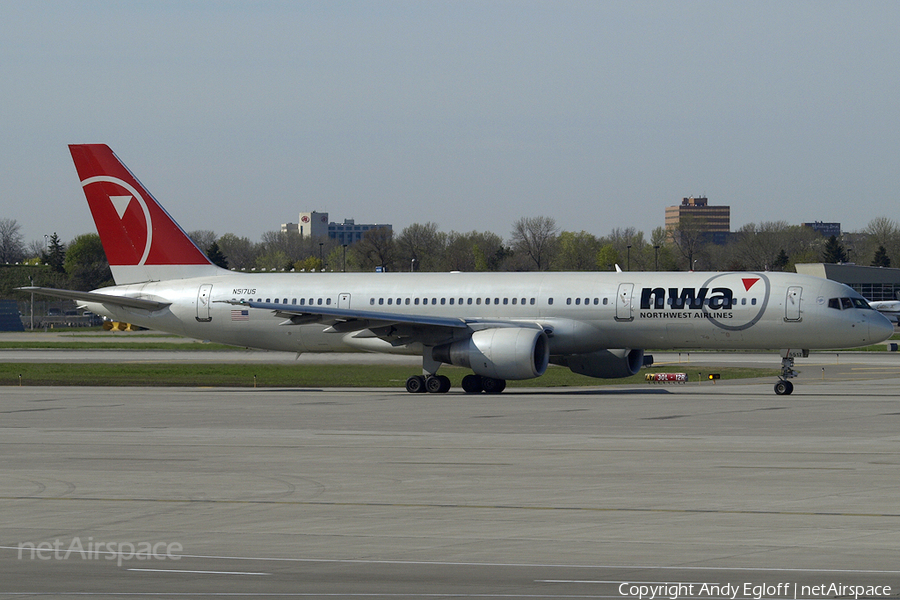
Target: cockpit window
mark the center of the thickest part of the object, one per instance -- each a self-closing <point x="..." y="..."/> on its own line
<point x="847" y="303"/>
<point x="860" y="303"/>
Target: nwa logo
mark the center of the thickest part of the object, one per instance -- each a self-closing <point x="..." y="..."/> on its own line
<point x="719" y="298"/>
<point x="133" y="219"/>
<point x="714" y="303"/>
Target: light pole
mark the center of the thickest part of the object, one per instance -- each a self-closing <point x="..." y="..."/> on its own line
<point x="412" y="265"/>
<point x="344" y="266"/>
<point x="321" y="256"/>
<point x="628" y="264"/>
<point x="656" y="256"/>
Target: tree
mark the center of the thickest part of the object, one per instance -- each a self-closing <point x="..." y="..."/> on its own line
<point x="203" y="238"/>
<point x="576" y="251"/>
<point x="55" y="255"/>
<point x="881" y="258"/>
<point x="834" y="251"/>
<point x="12" y="249"/>
<point x="375" y="249"/>
<point x="474" y="251"/>
<point x="240" y="252"/>
<point x="422" y="243"/>
<point x="688" y="237"/>
<point x="535" y="237"/>
<point x="214" y="254"/>
<point x="86" y="263"/>
<point x="781" y="261"/>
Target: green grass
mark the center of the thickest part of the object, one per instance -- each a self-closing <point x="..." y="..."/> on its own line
<point x="230" y="375"/>
<point x="119" y="345"/>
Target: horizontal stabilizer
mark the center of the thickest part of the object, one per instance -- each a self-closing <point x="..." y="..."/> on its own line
<point x="127" y="301"/>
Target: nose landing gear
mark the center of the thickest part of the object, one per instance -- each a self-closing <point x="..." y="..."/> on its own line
<point x="784" y="387"/>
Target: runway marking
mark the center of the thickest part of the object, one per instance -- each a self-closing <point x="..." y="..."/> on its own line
<point x="201" y="572"/>
<point x="598" y="509"/>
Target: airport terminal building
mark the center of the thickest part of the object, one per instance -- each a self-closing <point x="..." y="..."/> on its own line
<point x="873" y="283"/>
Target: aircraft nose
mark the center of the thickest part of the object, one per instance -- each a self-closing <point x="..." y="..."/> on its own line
<point x="880" y="328"/>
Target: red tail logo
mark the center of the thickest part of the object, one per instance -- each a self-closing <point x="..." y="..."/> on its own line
<point x="134" y="228"/>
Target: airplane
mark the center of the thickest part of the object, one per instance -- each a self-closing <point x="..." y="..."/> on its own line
<point x="501" y="326"/>
<point x="889" y="308"/>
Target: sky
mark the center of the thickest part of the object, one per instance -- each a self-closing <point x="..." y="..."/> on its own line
<point x="469" y="114"/>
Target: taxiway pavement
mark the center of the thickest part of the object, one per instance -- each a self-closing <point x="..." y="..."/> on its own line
<point x="533" y="493"/>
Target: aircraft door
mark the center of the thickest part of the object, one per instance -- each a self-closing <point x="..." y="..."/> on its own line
<point x="344" y="300"/>
<point x="203" y="298"/>
<point x="623" y="302"/>
<point x="792" y="303"/>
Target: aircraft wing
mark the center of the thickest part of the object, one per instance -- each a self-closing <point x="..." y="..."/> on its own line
<point x="127" y="301"/>
<point x="344" y="319"/>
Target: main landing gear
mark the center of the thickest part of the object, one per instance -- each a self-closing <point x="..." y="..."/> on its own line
<point x="439" y="384"/>
<point x="784" y="387"/>
<point x="429" y="381"/>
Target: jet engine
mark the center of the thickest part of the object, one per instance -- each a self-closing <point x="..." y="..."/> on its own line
<point x="607" y="364"/>
<point x="499" y="353"/>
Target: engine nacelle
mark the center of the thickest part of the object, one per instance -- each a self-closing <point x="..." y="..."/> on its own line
<point x="500" y="353"/>
<point x="607" y="364"/>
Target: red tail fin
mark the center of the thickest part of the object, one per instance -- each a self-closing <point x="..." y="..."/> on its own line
<point x="142" y="242"/>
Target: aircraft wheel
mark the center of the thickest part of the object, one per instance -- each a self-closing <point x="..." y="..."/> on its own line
<point x="784" y="387"/>
<point x="471" y="384"/>
<point x="493" y="386"/>
<point x="437" y="384"/>
<point x="415" y="384"/>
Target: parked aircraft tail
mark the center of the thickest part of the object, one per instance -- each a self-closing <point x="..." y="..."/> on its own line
<point x="142" y="242"/>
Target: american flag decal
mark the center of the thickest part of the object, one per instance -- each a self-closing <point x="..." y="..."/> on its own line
<point x="240" y="315"/>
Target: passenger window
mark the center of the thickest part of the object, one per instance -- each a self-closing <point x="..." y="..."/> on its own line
<point x="532" y="301"/>
<point x="328" y="301"/>
<point x="469" y="301"/>
<point x="319" y="302"/>
<point x="577" y="301"/>
<point x="284" y="301"/>
<point x="514" y="301"/>
<point x="390" y="301"/>
<point x="417" y="301"/>
<point x="550" y="301"/>
<point x="506" y="301"/>
<point x="443" y="301"/>
<point x="451" y="301"/>
<point x="293" y="301"/>
<point x="753" y="301"/>
<point x="478" y="301"/>
<point x="276" y="300"/>
<point x="268" y="299"/>
<point x="605" y="301"/>
<point x="407" y="302"/>
<point x="371" y="300"/>
<point x="380" y="301"/>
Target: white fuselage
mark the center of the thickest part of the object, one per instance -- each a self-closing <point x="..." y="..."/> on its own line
<point x="581" y="312"/>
